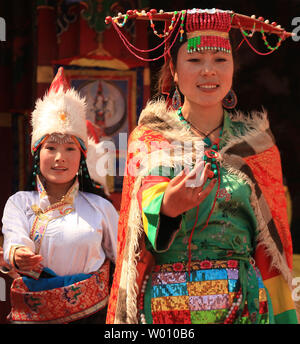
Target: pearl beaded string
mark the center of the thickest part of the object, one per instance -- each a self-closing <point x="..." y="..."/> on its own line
<point x="234" y="308"/>
<point x="243" y="32"/>
<point x="141" y="300"/>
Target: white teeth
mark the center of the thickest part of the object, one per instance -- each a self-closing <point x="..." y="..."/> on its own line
<point x="208" y="86"/>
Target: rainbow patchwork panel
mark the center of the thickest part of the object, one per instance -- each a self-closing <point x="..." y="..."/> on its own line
<point x="203" y="297"/>
<point x="150" y="197"/>
<point x="283" y="305"/>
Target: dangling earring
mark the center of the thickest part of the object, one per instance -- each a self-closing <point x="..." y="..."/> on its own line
<point x="79" y="175"/>
<point x="36" y="169"/>
<point x="84" y="169"/>
<point x="230" y="100"/>
<point x="176" y="99"/>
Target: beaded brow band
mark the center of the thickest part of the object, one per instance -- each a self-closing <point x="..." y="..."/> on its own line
<point x="207" y="33"/>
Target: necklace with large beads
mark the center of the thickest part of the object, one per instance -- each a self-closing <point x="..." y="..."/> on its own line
<point x="211" y="154"/>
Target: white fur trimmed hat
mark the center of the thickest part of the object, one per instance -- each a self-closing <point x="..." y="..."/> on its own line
<point x="62" y="110"/>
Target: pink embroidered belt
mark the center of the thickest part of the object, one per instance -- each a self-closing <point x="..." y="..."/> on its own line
<point x="60" y="305"/>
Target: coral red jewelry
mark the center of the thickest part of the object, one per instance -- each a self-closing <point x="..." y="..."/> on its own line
<point x="206" y="29"/>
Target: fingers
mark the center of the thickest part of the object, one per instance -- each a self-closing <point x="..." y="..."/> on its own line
<point x="25" y="254"/>
<point x="198" y="176"/>
<point x="180" y="176"/>
<point x="185" y="191"/>
<point x="24" y="251"/>
<point x="206" y="172"/>
<point x="26" y="259"/>
<point x="28" y="266"/>
<point x="204" y="193"/>
<point x="195" y="178"/>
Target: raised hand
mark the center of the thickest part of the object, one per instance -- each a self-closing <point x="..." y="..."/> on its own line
<point x="185" y="191"/>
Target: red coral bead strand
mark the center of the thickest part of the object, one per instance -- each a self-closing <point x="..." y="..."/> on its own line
<point x="234" y="308"/>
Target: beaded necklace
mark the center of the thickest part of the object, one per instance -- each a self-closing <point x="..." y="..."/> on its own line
<point x="210" y="155"/>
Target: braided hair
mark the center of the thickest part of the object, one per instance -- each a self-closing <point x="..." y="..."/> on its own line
<point x="86" y="184"/>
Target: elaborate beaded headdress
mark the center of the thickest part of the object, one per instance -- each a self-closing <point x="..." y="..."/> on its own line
<point x="205" y="29"/>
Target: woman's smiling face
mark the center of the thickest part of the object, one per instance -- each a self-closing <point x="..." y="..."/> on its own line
<point x="204" y="78"/>
<point x="59" y="162"/>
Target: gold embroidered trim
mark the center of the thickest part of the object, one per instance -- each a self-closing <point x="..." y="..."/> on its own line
<point x="207" y="33"/>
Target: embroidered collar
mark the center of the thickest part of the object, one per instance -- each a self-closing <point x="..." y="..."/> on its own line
<point x="67" y="199"/>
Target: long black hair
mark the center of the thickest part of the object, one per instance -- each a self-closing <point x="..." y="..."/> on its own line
<point x="86" y="184"/>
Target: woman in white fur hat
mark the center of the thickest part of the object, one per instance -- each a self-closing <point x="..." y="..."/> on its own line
<point x="60" y="236"/>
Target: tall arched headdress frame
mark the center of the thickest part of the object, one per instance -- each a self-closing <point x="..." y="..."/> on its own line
<point x="206" y="29"/>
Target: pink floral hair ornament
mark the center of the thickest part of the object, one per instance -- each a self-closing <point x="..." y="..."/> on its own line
<point x="206" y="29"/>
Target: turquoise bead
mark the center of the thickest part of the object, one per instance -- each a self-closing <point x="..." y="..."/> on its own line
<point x="213" y="159"/>
<point x="205" y="158"/>
<point x="215" y="172"/>
<point x="213" y="166"/>
<point x="207" y="141"/>
<point x="214" y="147"/>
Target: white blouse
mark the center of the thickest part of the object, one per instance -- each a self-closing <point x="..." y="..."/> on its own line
<point x="77" y="242"/>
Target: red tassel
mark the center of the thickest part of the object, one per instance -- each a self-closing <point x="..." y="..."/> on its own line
<point x="207" y="221"/>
